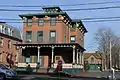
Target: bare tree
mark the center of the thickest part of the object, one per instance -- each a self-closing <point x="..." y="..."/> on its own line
<point x="105" y="36"/>
<point x="116" y="53"/>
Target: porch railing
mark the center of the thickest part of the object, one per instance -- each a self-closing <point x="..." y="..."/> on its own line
<point x="69" y="66"/>
<point x="25" y="64"/>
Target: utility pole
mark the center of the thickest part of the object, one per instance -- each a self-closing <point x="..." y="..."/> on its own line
<point x="110" y="56"/>
<point x="119" y="58"/>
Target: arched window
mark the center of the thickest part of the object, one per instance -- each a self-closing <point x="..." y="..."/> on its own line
<point x="92" y="60"/>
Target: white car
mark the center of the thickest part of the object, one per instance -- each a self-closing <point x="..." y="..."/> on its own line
<point x="6" y="72"/>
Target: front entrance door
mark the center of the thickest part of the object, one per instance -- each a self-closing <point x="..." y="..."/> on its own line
<point x="41" y="61"/>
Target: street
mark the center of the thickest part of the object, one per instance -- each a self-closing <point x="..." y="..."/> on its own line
<point x="82" y="76"/>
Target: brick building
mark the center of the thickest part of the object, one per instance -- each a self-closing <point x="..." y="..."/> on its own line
<point x="8" y="37"/>
<point x="51" y="36"/>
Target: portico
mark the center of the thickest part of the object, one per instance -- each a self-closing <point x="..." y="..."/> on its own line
<point x="68" y="53"/>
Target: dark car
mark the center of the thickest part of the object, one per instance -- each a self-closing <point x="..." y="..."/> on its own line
<point x="6" y="72"/>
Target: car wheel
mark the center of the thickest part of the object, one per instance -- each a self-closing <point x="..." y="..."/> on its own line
<point x="2" y="76"/>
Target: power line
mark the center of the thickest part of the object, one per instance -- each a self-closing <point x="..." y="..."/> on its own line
<point x="95" y="3"/>
<point x="100" y="18"/>
<point x="103" y="20"/>
<point x="18" y="10"/>
<point x="114" y="17"/>
<point x="116" y="20"/>
<point x="99" y="8"/>
<point x="9" y="19"/>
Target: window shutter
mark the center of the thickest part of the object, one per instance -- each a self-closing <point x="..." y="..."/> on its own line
<point x="49" y="37"/>
<point x="35" y="34"/>
<point x="46" y="36"/>
<point x="56" y="35"/>
<point x="24" y="37"/>
<point x="43" y="37"/>
<point x="32" y="37"/>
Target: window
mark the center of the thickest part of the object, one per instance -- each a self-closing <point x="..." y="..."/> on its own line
<point x="53" y="21"/>
<point x="6" y="31"/>
<point x="1" y="42"/>
<point x="0" y="28"/>
<point x="3" y="29"/>
<point x="92" y="60"/>
<point x="9" y="44"/>
<point x="40" y="22"/>
<point x="9" y="31"/>
<point x="28" y="36"/>
<point x="29" y="22"/>
<point x="40" y="36"/>
<point x="72" y="39"/>
<point x="52" y="36"/>
<point x="28" y="59"/>
<point x="72" y="27"/>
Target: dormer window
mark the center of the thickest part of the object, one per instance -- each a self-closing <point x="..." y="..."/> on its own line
<point x="72" y="27"/>
<point x="0" y="28"/>
<point x="11" y="32"/>
<point x="3" y="29"/>
<point x="6" y="31"/>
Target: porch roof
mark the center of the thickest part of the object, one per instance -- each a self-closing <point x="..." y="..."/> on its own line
<point x="77" y="46"/>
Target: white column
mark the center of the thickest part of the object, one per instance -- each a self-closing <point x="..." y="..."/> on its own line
<point x="77" y="56"/>
<point x="38" y="59"/>
<point x="73" y="54"/>
<point x="80" y="57"/>
<point x="21" y="53"/>
<point x="52" y="54"/>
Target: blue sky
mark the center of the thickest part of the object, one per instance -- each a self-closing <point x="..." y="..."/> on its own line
<point x="90" y="44"/>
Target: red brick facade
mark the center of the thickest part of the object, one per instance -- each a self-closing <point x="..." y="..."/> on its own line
<point x="62" y="28"/>
<point x="7" y="47"/>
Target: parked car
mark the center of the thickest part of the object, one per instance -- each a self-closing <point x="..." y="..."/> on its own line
<point x="6" y="72"/>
